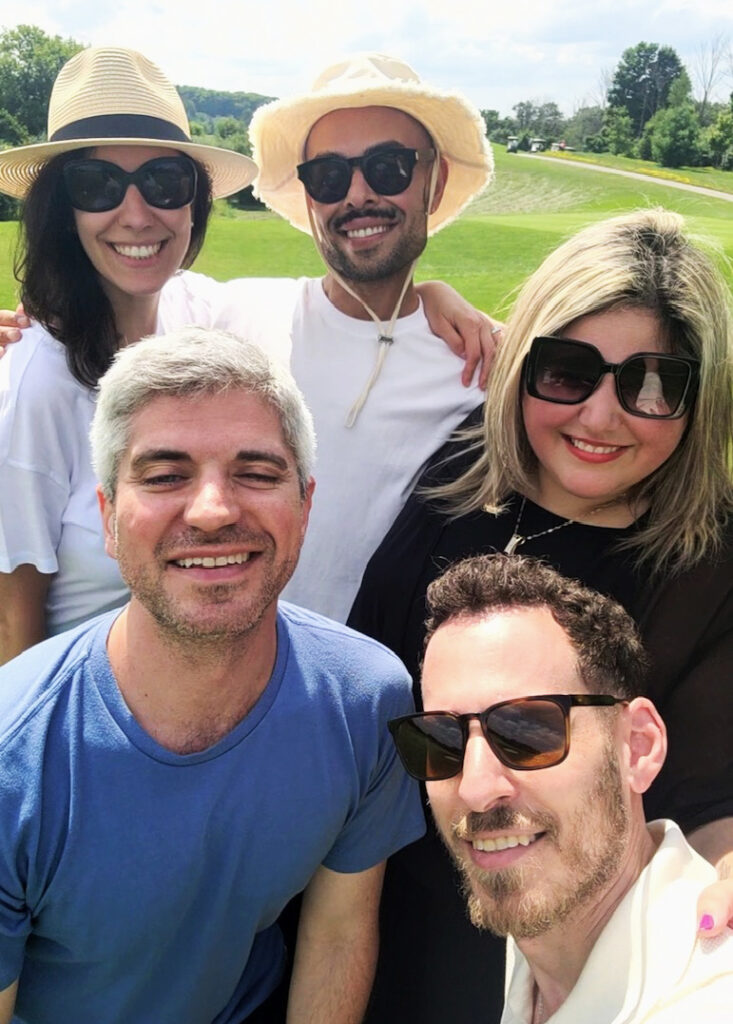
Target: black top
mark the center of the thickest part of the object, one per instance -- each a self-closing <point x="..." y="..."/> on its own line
<point x="686" y="622"/>
<point x="434" y="966"/>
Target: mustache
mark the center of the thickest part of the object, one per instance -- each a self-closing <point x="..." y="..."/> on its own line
<point x="197" y="539"/>
<point x="500" y="819"/>
<point x="386" y="213"/>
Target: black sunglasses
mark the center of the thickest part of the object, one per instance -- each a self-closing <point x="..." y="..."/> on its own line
<point x="650" y="384"/>
<point x="525" y="734"/>
<point x="96" y="186"/>
<point x="387" y="172"/>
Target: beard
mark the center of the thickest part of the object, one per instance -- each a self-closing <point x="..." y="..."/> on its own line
<point x="214" y="613"/>
<point x="374" y="265"/>
<point x="523" y="902"/>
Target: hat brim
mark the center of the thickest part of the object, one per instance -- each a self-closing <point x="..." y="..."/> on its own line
<point x="229" y="171"/>
<point x="279" y="131"/>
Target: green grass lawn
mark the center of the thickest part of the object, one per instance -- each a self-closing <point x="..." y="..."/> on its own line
<point x="499" y="240"/>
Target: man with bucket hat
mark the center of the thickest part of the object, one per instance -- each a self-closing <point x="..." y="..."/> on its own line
<point x="370" y="457"/>
<point x="370" y="162"/>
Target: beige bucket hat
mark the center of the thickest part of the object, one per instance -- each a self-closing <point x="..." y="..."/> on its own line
<point x="279" y="130"/>
<point x="107" y="95"/>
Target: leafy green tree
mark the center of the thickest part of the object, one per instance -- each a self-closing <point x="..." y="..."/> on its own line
<point x="525" y="114"/>
<point x="228" y="126"/>
<point x="29" y="62"/>
<point x="720" y="139"/>
<point x="618" y="131"/>
<point x="642" y="80"/>
<point x="12" y="132"/>
<point x="586" y="123"/>
<point x="675" y="140"/>
<point x="491" y="120"/>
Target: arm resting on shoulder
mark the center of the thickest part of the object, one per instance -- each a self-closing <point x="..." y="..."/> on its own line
<point x="336" y="951"/>
<point x="22" y="610"/>
<point x="466" y="331"/>
<point x="11" y="330"/>
<point x="7" y="1003"/>
<point x="714" y="841"/>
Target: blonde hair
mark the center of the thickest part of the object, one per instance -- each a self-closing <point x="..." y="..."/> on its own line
<point x="642" y="260"/>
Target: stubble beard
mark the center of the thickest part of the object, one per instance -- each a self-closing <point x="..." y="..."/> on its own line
<point x="591" y="850"/>
<point x="373" y="266"/>
<point x="206" y="623"/>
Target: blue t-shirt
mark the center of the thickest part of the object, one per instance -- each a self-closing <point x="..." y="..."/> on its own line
<point x="139" y="885"/>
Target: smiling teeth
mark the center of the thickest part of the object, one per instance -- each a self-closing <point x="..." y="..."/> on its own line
<point x="366" y="232"/>
<point x="138" y="252"/>
<point x="501" y="843"/>
<point x="595" y="449"/>
<point x="213" y="563"/>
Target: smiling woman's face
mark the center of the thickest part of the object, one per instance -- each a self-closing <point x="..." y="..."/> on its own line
<point x="593" y="453"/>
<point x="135" y="248"/>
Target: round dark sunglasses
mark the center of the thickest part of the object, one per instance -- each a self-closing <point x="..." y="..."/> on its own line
<point x="649" y="384"/>
<point x="387" y="172"/>
<point x="525" y="734"/>
<point x="96" y="186"/>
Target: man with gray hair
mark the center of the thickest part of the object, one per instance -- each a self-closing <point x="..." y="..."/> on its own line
<point x="172" y="774"/>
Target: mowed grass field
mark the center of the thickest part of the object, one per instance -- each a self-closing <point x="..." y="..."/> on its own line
<point x="531" y="207"/>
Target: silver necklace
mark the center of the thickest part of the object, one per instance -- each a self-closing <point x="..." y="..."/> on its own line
<point x="516" y="539"/>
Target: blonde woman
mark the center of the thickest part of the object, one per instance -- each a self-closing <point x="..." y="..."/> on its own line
<point x="604" y="450"/>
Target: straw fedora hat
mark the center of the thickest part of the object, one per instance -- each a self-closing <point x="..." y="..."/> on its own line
<point x="279" y="131"/>
<point x="107" y="95"/>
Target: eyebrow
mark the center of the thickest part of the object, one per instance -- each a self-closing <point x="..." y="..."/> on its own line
<point x="150" y="455"/>
<point x="376" y="148"/>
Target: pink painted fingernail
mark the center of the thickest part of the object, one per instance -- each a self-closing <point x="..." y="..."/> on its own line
<point x="706" y="923"/>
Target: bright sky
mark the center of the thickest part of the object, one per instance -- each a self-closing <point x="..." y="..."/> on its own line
<point x="497" y="52"/>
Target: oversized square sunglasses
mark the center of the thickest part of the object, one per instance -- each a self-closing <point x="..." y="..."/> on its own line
<point x="97" y="186"/>
<point x="387" y="172"/>
<point x="525" y="734"/>
<point x="654" y="385"/>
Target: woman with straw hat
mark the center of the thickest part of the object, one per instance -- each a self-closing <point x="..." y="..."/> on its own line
<point x="99" y="268"/>
<point x="604" y="450"/>
<point x="114" y="120"/>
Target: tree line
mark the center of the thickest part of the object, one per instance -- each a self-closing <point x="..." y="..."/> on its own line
<point x="646" y="108"/>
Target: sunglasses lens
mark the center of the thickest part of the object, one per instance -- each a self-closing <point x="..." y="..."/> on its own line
<point x="527" y="734"/>
<point x="326" y="179"/>
<point x="430" y="746"/>
<point x="564" y="373"/>
<point x="653" y="386"/>
<point x="93" y="186"/>
<point x="167" y="183"/>
<point x="389" y="172"/>
<point x="96" y="186"/>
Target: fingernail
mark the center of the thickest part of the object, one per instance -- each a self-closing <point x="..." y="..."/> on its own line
<point x="22" y="321"/>
<point x="706" y="923"/>
<point x="14" y="334"/>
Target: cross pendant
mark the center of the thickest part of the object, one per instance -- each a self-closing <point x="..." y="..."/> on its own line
<point x="514" y="541"/>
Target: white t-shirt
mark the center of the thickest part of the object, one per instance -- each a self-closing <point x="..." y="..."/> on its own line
<point x="364" y="473"/>
<point x="49" y="515"/>
<point x="646" y="965"/>
<point x="48" y="510"/>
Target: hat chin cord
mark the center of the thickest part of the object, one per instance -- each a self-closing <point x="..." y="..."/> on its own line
<point x="385" y="331"/>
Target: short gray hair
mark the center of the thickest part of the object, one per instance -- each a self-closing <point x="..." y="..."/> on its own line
<point x="191" y="362"/>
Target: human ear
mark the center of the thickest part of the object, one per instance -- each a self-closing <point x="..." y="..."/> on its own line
<point x="109" y="523"/>
<point x="647" y="743"/>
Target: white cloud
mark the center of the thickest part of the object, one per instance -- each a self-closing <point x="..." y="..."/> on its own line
<point x="497" y="53"/>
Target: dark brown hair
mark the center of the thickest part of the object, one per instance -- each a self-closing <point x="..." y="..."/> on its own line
<point x="60" y="288"/>
<point x="611" y="657"/>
